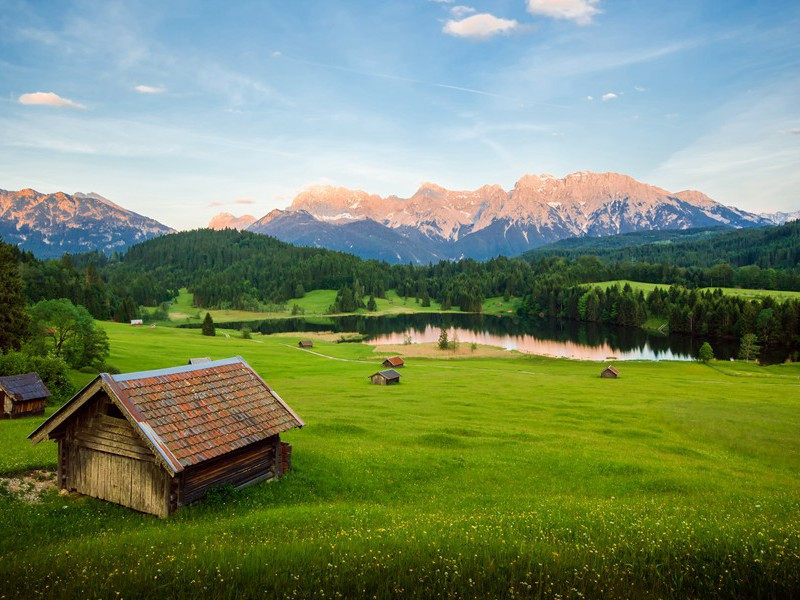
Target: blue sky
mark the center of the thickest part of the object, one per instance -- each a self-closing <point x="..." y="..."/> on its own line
<point x="180" y="110"/>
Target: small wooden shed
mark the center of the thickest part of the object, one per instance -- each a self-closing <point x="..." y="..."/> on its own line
<point x="609" y="373"/>
<point x="306" y="344"/>
<point x="387" y="377"/>
<point x="199" y="360"/>
<point x="22" y="395"/>
<point x="157" y="440"/>
<point x="393" y="362"/>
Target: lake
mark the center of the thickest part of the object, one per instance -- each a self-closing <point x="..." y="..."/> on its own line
<point x="585" y="341"/>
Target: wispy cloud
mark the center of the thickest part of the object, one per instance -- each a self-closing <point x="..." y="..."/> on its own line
<point x="244" y="201"/>
<point x="149" y="89"/>
<point x="609" y="96"/>
<point x="460" y="11"/>
<point x="48" y="99"/>
<point x="639" y="88"/>
<point x="579" y="11"/>
<point x="480" y="27"/>
<point x="793" y="131"/>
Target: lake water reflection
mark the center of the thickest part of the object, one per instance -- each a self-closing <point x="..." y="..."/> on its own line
<point x="587" y="341"/>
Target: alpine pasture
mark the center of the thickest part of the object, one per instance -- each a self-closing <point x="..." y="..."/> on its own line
<point x="513" y="476"/>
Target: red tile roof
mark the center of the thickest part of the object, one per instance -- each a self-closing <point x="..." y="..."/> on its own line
<point x="395" y="361"/>
<point x="198" y="412"/>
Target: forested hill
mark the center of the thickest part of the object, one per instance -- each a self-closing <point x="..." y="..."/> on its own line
<point x="591" y="244"/>
<point x="765" y="247"/>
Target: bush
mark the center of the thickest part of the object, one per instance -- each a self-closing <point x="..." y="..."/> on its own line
<point x="51" y="369"/>
<point x="246" y="333"/>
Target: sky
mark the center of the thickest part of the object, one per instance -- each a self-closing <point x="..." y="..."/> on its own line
<point x="179" y="110"/>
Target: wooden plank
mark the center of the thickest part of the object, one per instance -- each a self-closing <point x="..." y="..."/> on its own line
<point x="99" y="446"/>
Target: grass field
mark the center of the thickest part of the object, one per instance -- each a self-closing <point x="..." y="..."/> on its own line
<point x="514" y="476"/>
<point x="745" y="293"/>
<point x="317" y="303"/>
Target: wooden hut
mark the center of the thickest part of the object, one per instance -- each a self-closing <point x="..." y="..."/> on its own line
<point x="393" y="362"/>
<point x="22" y="395"/>
<point x="306" y="344"/>
<point x="387" y="377"/>
<point x="609" y="373"/>
<point x="157" y="440"/>
<point x="199" y="360"/>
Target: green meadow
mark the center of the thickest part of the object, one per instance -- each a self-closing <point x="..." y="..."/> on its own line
<point x="752" y="294"/>
<point x="516" y="476"/>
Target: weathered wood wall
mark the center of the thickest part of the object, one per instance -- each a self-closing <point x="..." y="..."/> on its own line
<point x="251" y="464"/>
<point x="103" y="457"/>
<point x="12" y="410"/>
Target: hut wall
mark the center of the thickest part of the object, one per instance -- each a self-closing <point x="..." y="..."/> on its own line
<point x="251" y="464"/>
<point x="12" y="410"/>
<point x="103" y="457"/>
<point x="606" y="374"/>
<point x="378" y="380"/>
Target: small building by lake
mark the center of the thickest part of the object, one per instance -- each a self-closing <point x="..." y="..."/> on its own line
<point x="609" y="373"/>
<point x="158" y="440"/>
<point x="386" y="377"/>
<point x="22" y="395"/>
<point x="394" y="362"/>
<point x="306" y="344"/>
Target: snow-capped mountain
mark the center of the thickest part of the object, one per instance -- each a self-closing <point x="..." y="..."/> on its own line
<point x="51" y="224"/>
<point x="779" y="218"/>
<point x="491" y="221"/>
<point x="228" y="221"/>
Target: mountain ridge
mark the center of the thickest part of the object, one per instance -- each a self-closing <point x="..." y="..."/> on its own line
<point x="51" y="224"/>
<point x="489" y="221"/>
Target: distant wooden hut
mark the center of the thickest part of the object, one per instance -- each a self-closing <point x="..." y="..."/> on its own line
<point x="22" y="395"/>
<point x="387" y="377"/>
<point x="137" y="322"/>
<point x="394" y="362"/>
<point x="157" y="440"/>
<point x="306" y="344"/>
<point x="200" y="360"/>
<point x="609" y="373"/>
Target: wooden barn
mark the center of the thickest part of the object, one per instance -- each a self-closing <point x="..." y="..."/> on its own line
<point x="393" y="362"/>
<point x="22" y="395"/>
<point x="609" y="373"/>
<point x="387" y="377"/>
<point x="158" y="440"/>
<point x="305" y="344"/>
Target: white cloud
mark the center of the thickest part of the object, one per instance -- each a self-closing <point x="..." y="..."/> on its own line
<point x="639" y="88"/>
<point x="794" y="131"/>
<point x="149" y="89"/>
<point x="609" y="96"/>
<point x="244" y="201"/>
<point x="461" y="11"/>
<point x="276" y="54"/>
<point x="481" y="26"/>
<point x="48" y="99"/>
<point x="589" y="98"/>
<point x="580" y="11"/>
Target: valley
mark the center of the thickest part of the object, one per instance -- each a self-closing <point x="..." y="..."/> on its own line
<point x="556" y="477"/>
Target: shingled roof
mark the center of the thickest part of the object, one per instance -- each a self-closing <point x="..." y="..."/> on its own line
<point x="24" y="387"/>
<point x="194" y="413"/>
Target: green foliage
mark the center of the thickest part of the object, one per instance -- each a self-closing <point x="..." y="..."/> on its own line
<point x="53" y="371"/>
<point x="208" y="326"/>
<point x="706" y="353"/>
<point x="13" y="320"/>
<point x="443" y="343"/>
<point x="68" y="331"/>
<point x="246" y="333"/>
<point x="371" y="305"/>
<point x="749" y="347"/>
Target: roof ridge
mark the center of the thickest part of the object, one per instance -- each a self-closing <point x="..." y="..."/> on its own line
<point x="123" y="377"/>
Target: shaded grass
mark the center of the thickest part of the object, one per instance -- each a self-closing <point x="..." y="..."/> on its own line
<point x="472" y="478"/>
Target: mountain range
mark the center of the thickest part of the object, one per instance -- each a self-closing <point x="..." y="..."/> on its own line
<point x="433" y="224"/>
<point x="436" y="223"/>
<point x="51" y="224"/>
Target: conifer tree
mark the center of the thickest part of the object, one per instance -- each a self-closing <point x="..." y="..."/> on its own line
<point x="208" y="326"/>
